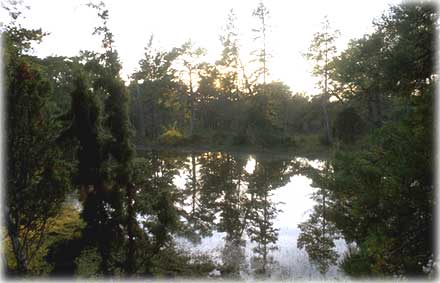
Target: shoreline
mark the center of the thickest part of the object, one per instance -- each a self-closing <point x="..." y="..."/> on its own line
<point x="275" y="152"/>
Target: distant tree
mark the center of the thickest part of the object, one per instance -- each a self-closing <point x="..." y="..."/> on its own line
<point x="212" y="100"/>
<point x="267" y="116"/>
<point x="261" y="13"/>
<point x="189" y="59"/>
<point x="229" y="63"/>
<point x="321" y="51"/>
<point x="154" y="91"/>
<point x="279" y="95"/>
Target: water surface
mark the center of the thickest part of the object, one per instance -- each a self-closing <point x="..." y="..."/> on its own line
<point x="243" y="211"/>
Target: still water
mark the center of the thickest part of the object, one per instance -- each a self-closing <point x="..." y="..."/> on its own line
<point x="243" y="211"/>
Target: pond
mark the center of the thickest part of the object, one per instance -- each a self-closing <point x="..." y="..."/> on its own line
<point x="243" y="211"/>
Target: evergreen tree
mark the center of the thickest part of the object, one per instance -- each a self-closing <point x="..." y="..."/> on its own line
<point x="156" y="208"/>
<point x="261" y="13"/>
<point x="189" y="59"/>
<point x="155" y="92"/>
<point x="382" y="191"/>
<point x="358" y="74"/>
<point x="266" y="177"/>
<point x="318" y="232"/>
<point x="105" y="154"/>
<point x="321" y="51"/>
<point x="229" y="62"/>
<point x="199" y="198"/>
<point x="233" y="215"/>
<point x="37" y="172"/>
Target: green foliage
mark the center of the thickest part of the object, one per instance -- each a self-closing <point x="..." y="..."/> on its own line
<point x="100" y="125"/>
<point x="86" y="128"/>
<point x="37" y="172"/>
<point x="156" y="102"/>
<point x="324" y="140"/>
<point x="218" y="104"/>
<point x="155" y="206"/>
<point x="318" y="232"/>
<point x="261" y="13"/>
<point x="87" y="263"/>
<point x="63" y="227"/>
<point x="356" y="263"/>
<point x="409" y="36"/>
<point x="349" y="125"/>
<point x="384" y="195"/>
<point x="266" y="177"/>
<point x="229" y="63"/>
<point x="171" y="137"/>
<point x="172" y="262"/>
<point x="321" y="51"/>
<point x="383" y="190"/>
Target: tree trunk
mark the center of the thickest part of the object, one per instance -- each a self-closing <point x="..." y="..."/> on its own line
<point x="194" y="182"/>
<point x="326" y="97"/>
<point x="130" y="268"/>
<point x="323" y="213"/>
<point x="17" y="248"/>
<point x="265" y="241"/>
<point x="153" y="120"/>
<point x="327" y="121"/>
<point x="191" y="122"/>
<point x="378" y="106"/>
<point x="141" y="114"/>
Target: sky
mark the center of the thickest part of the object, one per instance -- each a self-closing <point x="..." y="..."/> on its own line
<point x="172" y="22"/>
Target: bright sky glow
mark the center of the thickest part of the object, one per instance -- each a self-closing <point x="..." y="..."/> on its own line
<point x="292" y="25"/>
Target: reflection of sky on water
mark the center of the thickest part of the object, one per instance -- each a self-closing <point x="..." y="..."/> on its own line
<point x="294" y="199"/>
<point x="296" y="208"/>
<point x="295" y="204"/>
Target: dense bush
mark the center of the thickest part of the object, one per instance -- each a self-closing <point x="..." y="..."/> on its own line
<point x="349" y="126"/>
<point x="172" y="137"/>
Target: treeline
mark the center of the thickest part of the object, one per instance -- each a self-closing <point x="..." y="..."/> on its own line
<point x="179" y="99"/>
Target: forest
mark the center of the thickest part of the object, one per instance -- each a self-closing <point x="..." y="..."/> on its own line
<point x="91" y="159"/>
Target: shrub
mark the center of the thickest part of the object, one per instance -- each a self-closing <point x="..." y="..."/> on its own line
<point x="172" y="137"/>
<point x="349" y="126"/>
